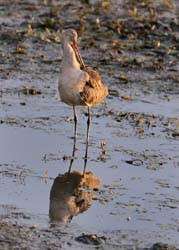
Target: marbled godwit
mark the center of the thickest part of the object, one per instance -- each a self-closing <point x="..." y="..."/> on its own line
<point x="78" y="85"/>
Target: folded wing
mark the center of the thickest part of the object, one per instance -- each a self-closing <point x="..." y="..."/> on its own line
<point x="94" y="91"/>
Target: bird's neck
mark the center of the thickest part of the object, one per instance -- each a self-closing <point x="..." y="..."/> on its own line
<point x="69" y="57"/>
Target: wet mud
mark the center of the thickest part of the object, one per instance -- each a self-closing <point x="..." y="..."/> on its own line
<point x="128" y="197"/>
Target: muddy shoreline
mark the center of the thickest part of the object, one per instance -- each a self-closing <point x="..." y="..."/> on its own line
<point x="135" y="133"/>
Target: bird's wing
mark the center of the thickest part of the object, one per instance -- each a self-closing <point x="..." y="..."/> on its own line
<point x="94" y="91"/>
<point x="94" y="78"/>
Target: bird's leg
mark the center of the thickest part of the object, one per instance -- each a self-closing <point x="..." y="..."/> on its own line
<point x="87" y="140"/>
<point x="74" y="139"/>
<point x="76" y="121"/>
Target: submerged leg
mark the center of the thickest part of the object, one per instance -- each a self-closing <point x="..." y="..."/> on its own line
<point x="87" y="139"/>
<point x="74" y="139"/>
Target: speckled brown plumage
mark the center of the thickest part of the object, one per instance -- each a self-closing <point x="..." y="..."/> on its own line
<point x="94" y="91"/>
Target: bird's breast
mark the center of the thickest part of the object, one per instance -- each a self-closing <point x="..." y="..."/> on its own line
<point x="71" y="83"/>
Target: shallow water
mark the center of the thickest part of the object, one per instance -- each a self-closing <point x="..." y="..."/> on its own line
<point x="137" y="200"/>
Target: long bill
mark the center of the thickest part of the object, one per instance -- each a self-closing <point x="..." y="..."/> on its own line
<point x="78" y="56"/>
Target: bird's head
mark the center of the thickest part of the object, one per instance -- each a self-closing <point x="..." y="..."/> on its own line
<point x="70" y="37"/>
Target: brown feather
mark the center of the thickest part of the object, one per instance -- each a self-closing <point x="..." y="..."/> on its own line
<point x="94" y="91"/>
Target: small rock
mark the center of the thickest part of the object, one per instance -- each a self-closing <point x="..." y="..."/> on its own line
<point x="162" y="246"/>
<point x="22" y="103"/>
<point x="90" y="239"/>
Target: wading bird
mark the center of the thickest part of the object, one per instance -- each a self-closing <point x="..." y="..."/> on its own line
<point x="78" y="85"/>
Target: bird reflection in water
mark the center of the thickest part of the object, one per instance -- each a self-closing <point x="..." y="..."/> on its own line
<point x="71" y="194"/>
